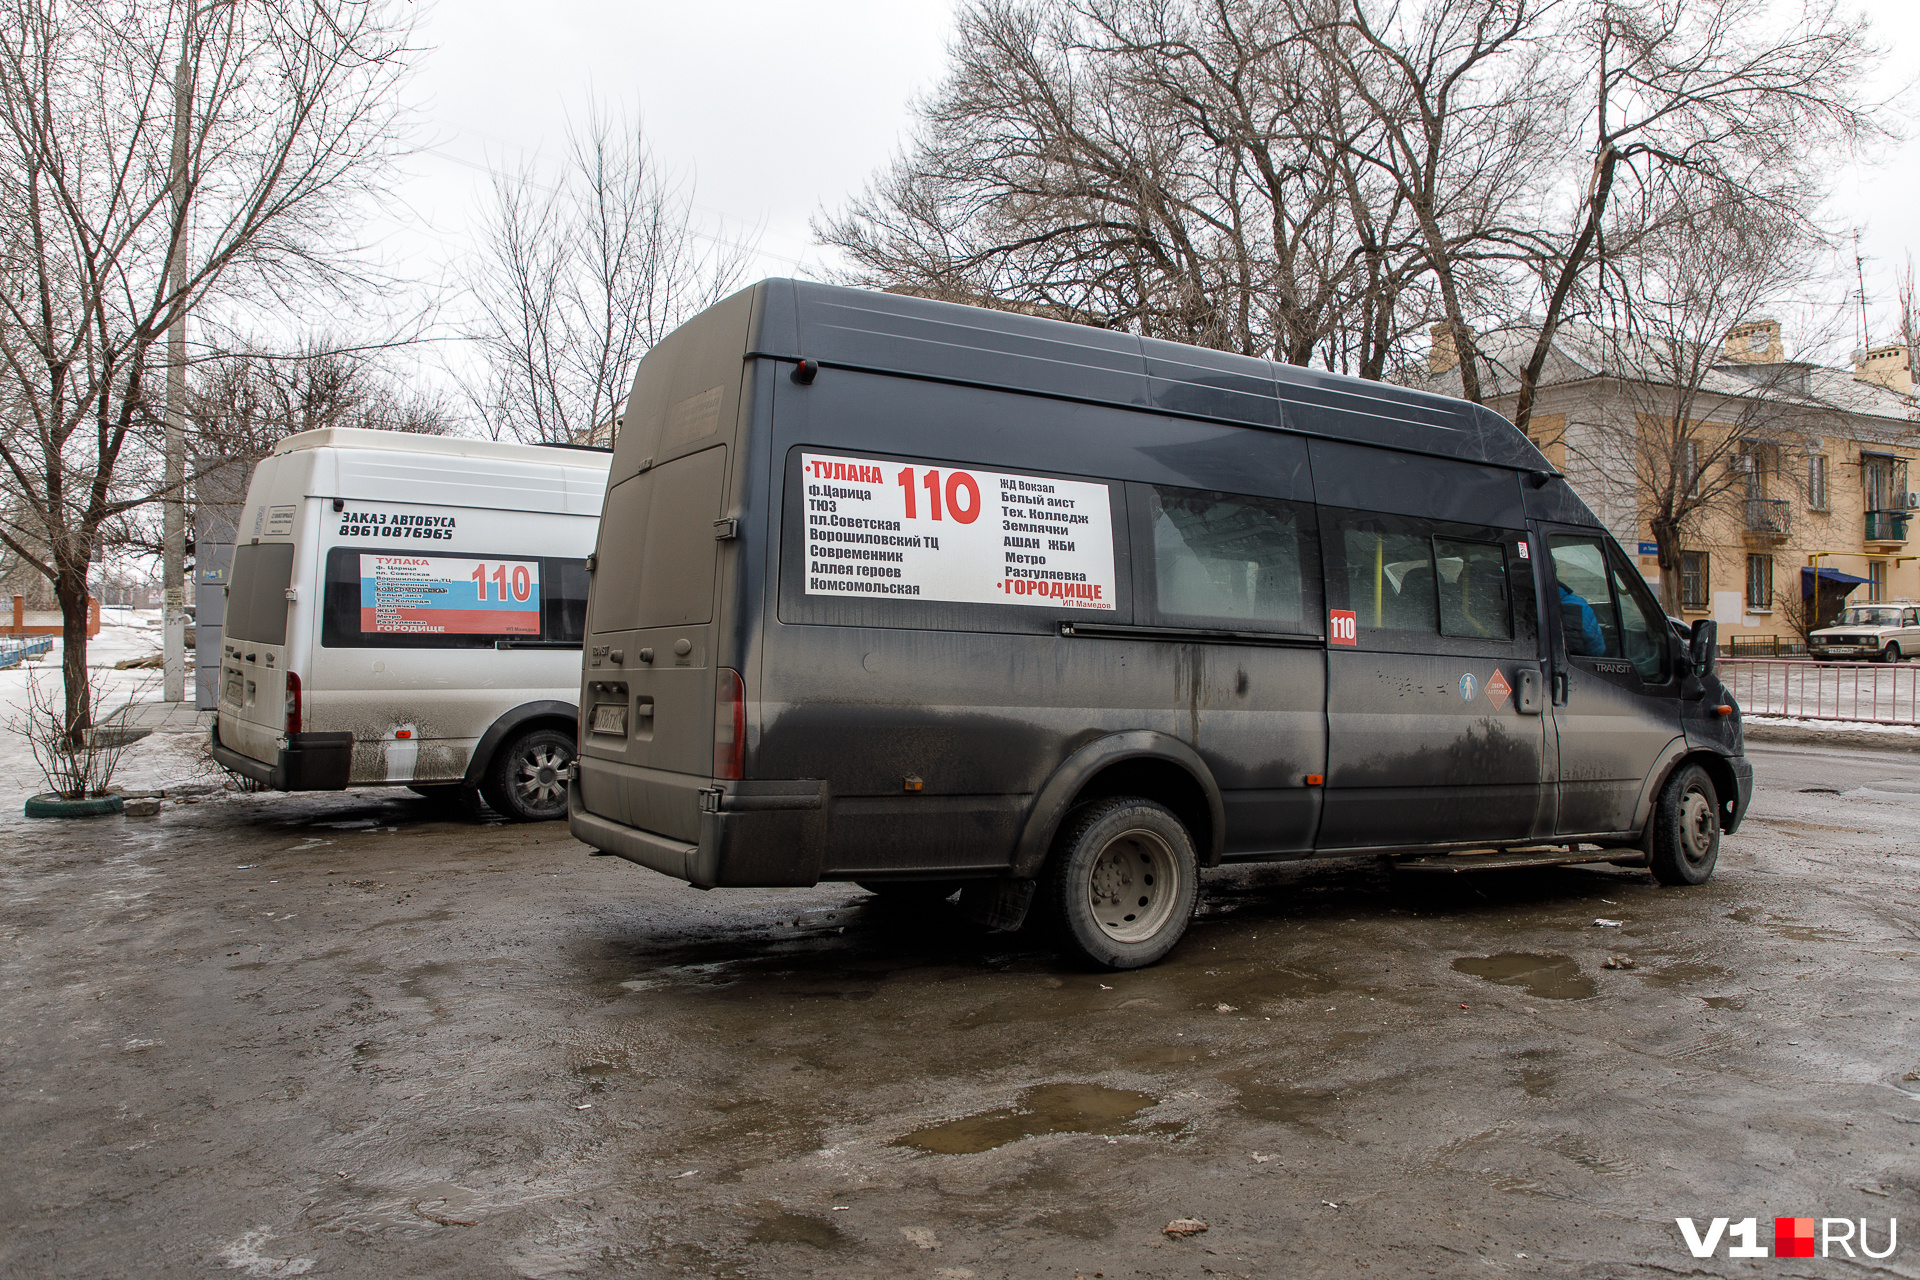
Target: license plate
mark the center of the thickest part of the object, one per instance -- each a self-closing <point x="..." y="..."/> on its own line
<point x="610" y="717"/>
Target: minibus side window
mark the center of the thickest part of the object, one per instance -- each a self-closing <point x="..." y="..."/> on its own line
<point x="1587" y="617"/>
<point x="1472" y="577"/>
<point x="1390" y="572"/>
<point x="1221" y="557"/>
<point x="1642" y="626"/>
<point x="565" y="604"/>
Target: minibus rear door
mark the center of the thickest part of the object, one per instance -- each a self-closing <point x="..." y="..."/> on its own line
<point x="1615" y="697"/>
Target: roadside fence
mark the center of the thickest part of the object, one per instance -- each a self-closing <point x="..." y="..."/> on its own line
<point x="1877" y="693"/>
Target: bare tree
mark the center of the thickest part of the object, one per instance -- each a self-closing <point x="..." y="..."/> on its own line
<point x="241" y="404"/>
<point x="1184" y="169"/>
<point x="1463" y="97"/>
<point x="577" y="281"/>
<point x="291" y="113"/>
<point x="1711" y="415"/>
<point x="1698" y="96"/>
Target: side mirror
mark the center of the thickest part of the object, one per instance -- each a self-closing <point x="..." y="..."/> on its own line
<point x="1703" y="650"/>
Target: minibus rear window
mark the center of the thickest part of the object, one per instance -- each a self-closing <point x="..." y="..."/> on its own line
<point x="257" y="593"/>
<point x="407" y="600"/>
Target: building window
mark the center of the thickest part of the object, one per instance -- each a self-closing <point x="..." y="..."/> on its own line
<point x="1690" y="468"/>
<point x="1693" y="580"/>
<point x="1760" y="582"/>
<point x="1876" y="580"/>
<point x="1884" y="478"/>
<point x="1817" y="481"/>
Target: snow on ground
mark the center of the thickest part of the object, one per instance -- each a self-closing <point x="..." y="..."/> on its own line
<point x="1832" y="726"/>
<point x="156" y="761"/>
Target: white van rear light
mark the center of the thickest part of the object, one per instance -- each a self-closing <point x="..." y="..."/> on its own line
<point x="293" y="703"/>
<point x="729" y="725"/>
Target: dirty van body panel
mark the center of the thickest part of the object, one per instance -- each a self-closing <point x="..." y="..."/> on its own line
<point x="1616" y="699"/>
<point x="982" y="703"/>
<point x="419" y="703"/>
<point x="1427" y="741"/>
<point x="659" y="628"/>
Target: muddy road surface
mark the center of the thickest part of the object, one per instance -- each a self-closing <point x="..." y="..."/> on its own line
<point x="353" y="1035"/>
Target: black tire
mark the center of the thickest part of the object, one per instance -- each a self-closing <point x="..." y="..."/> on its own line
<point x="1891" y="653"/>
<point x="1685" y="839"/>
<point x="1121" y="883"/>
<point x="525" y="780"/>
<point x="911" y="893"/>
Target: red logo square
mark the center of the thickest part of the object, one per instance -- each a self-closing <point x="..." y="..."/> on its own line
<point x="1793" y="1237"/>
<point x="1343" y="626"/>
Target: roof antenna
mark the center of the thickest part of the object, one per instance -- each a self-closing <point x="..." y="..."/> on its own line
<point x="1860" y="280"/>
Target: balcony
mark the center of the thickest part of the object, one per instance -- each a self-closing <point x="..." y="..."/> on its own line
<point x="1769" y="520"/>
<point x="1887" y="526"/>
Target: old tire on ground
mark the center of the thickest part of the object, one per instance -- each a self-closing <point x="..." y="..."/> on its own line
<point x="526" y="779"/>
<point x="1891" y="653"/>
<point x="1121" y="883"/>
<point x="1685" y="839"/>
<point x="911" y="893"/>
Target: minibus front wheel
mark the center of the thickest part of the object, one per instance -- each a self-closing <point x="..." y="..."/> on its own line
<point x="1685" y="839"/>
<point x="1121" y="884"/>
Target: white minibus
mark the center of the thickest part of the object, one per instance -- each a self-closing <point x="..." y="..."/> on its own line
<point x="408" y="610"/>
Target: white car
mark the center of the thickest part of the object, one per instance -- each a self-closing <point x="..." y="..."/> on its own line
<point x="1888" y="631"/>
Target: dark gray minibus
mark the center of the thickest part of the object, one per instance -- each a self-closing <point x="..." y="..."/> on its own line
<point x="934" y="598"/>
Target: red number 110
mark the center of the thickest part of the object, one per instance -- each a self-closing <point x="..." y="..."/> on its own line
<point x="963" y="495"/>
<point x="522" y="586"/>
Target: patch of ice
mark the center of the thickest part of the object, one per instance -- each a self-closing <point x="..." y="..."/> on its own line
<point x="244" y="1255"/>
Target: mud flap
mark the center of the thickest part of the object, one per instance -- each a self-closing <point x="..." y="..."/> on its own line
<point x="998" y="905"/>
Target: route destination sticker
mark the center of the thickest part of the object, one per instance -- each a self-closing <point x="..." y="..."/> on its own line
<point x="955" y="533"/>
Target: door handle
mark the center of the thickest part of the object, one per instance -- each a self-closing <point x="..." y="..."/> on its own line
<point x="1559" y="688"/>
<point x="1526" y="694"/>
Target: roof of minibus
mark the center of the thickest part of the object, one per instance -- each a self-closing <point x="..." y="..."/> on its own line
<point x="898" y="334"/>
<point x="444" y="446"/>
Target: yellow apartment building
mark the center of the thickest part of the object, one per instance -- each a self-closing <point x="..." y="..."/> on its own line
<point x="1807" y="470"/>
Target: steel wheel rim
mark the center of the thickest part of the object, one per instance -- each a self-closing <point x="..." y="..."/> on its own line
<point x="1132" y="885"/>
<point x="1698" y="824"/>
<point x="536" y="777"/>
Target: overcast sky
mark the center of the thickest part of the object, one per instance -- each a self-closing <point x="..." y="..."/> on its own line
<point x="776" y="110"/>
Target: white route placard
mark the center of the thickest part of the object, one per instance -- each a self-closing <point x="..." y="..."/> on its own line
<point x="932" y="532"/>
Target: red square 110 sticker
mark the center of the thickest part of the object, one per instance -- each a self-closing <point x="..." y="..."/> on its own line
<point x="1343" y="627"/>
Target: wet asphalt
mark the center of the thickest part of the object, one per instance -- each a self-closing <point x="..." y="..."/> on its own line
<point x="356" y="1035"/>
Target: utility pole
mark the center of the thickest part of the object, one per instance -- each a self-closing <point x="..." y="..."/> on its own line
<point x="174" y="527"/>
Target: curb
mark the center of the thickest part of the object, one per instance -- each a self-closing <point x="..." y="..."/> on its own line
<point x="1851" y="739"/>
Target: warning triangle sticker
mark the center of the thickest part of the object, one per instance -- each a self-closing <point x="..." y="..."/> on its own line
<point x="1498" y="688"/>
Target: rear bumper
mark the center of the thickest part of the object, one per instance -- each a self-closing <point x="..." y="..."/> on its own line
<point x="1742" y="791"/>
<point x="752" y="834"/>
<point x="309" y="762"/>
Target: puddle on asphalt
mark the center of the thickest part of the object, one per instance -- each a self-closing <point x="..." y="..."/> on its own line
<point x="1278" y="1101"/>
<point x="1724" y="1002"/>
<point x="1680" y="975"/>
<point x="1548" y="977"/>
<point x="1046" y="1108"/>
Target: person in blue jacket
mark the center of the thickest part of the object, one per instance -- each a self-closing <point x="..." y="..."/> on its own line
<point x="1582" y="625"/>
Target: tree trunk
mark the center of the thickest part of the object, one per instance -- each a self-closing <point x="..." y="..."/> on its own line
<point x="70" y="589"/>
<point x="1666" y="536"/>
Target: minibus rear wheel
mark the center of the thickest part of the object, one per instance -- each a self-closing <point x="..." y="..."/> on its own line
<point x="1686" y="828"/>
<point x="526" y="781"/>
<point x="1122" y="882"/>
